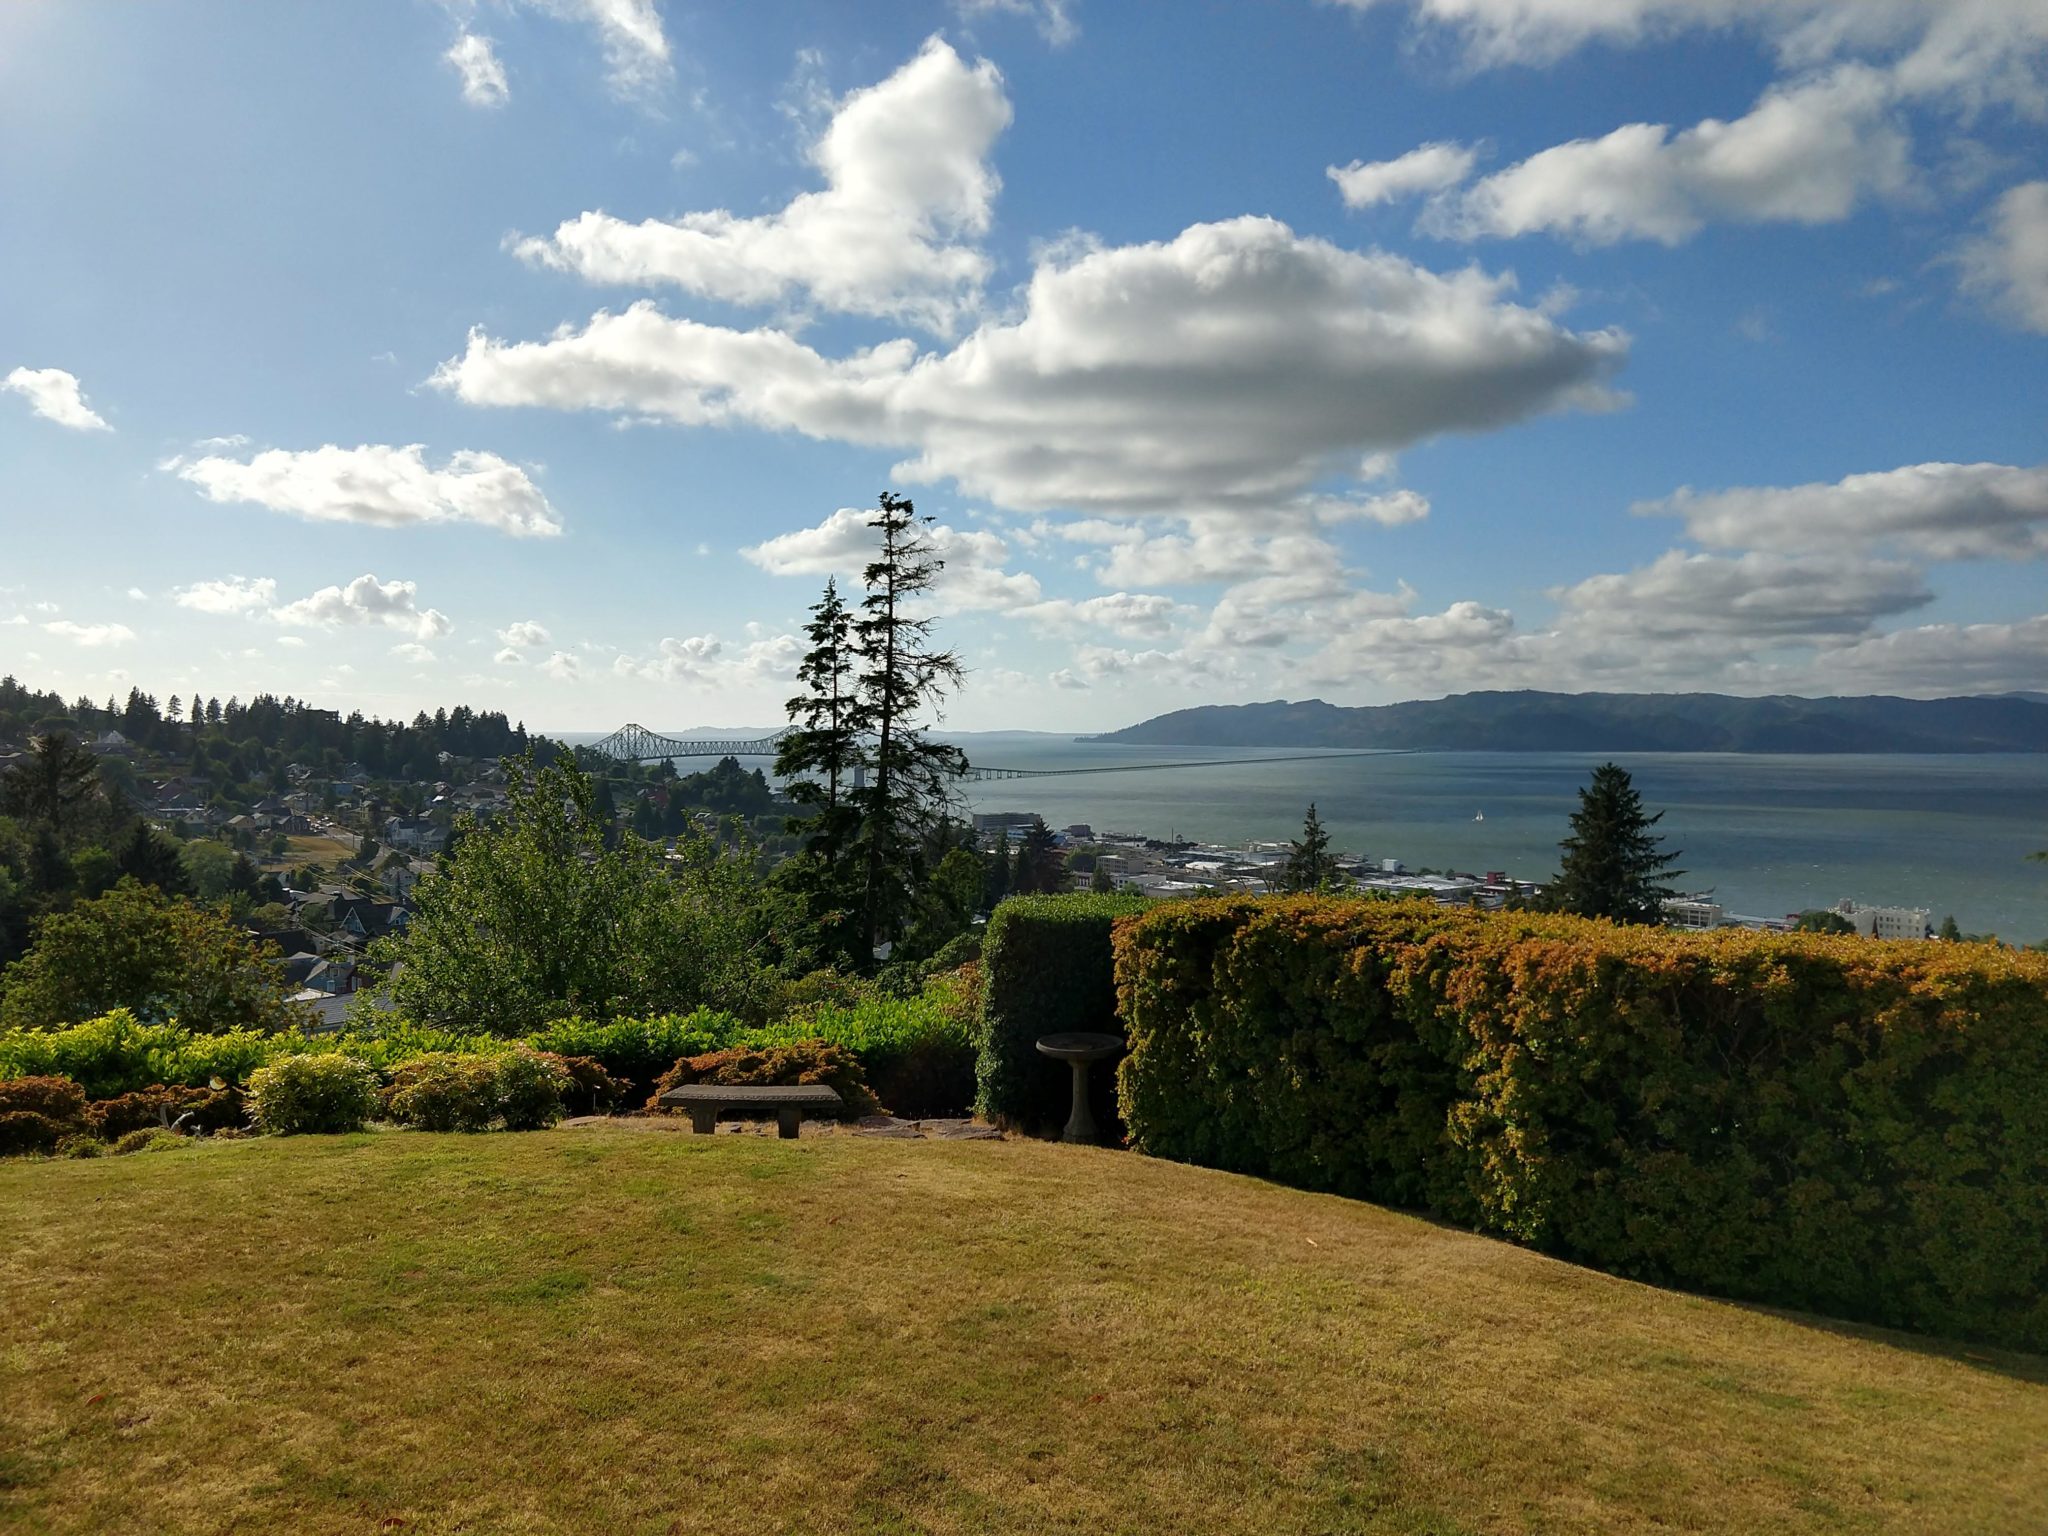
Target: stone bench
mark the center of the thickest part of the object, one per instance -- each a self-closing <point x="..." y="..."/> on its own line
<point x="705" y="1100"/>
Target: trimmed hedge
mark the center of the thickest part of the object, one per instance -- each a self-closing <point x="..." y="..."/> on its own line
<point x="1047" y="968"/>
<point x="917" y="1053"/>
<point x="1852" y="1127"/>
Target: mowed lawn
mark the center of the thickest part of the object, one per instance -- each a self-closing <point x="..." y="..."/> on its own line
<point x="613" y="1330"/>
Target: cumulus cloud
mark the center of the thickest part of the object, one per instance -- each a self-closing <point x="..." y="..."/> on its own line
<point x="2007" y="266"/>
<point x="1431" y="168"/>
<point x="562" y="667"/>
<point x="413" y="651"/>
<point x="390" y="487"/>
<point x="483" y="74"/>
<point x="228" y="596"/>
<point x="1133" y="615"/>
<point x="1808" y="153"/>
<point x="366" y="601"/>
<point x="689" y="659"/>
<point x="1755" y="597"/>
<point x="528" y="634"/>
<point x="1934" y="511"/>
<point x="908" y="188"/>
<point x="55" y="396"/>
<point x="508" y="657"/>
<point x="1943" y="659"/>
<point x="1233" y="366"/>
<point x="973" y="578"/>
<point x="92" y="636"/>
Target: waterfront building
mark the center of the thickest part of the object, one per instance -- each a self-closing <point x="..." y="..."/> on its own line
<point x="1886" y="922"/>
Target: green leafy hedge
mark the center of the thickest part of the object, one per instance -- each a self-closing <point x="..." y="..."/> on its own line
<point x="917" y="1052"/>
<point x="1047" y="969"/>
<point x="1849" y="1126"/>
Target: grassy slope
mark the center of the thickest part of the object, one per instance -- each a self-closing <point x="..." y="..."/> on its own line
<point x="625" y="1331"/>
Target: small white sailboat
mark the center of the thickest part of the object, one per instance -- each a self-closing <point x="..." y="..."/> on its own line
<point x="1480" y="817"/>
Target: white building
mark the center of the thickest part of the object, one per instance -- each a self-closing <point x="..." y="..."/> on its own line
<point x="1693" y="914"/>
<point x="1886" y="922"/>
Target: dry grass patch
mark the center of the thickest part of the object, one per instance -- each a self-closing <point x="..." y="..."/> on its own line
<point x="596" y="1330"/>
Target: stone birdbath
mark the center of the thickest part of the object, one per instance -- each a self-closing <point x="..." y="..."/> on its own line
<point x="1079" y="1050"/>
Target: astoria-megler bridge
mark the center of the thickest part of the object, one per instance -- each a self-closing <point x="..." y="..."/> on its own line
<point x="637" y="744"/>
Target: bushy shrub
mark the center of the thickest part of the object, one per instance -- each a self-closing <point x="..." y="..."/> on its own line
<point x="117" y="1053"/>
<point x="81" y="1146"/>
<point x="638" y="1051"/>
<point x="38" y="1112"/>
<point x="796" y="1064"/>
<point x="529" y="1086"/>
<point x="1839" y="1124"/>
<point x="313" y="1094"/>
<point x="917" y="1053"/>
<point x="1047" y="969"/>
<point x="192" y="1110"/>
<point x="591" y="1090"/>
<point x="444" y="1092"/>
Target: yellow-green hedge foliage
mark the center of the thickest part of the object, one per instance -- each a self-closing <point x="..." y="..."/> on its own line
<point x="1855" y="1127"/>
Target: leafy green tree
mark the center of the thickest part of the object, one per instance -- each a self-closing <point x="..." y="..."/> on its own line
<point x="210" y="866"/>
<point x="1040" y="868"/>
<point x="1102" y="881"/>
<point x="1949" y="932"/>
<point x="900" y="676"/>
<point x="537" y="917"/>
<point x="996" y="881"/>
<point x="1613" y="865"/>
<point x="1310" y="864"/>
<point x="158" y="956"/>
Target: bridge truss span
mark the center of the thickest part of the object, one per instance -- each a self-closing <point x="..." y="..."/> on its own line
<point x="637" y="744"/>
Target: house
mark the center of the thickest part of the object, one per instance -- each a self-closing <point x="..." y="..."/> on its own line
<point x="109" y="744"/>
<point x="416" y="833"/>
<point x="399" y="878"/>
<point x="364" y="918"/>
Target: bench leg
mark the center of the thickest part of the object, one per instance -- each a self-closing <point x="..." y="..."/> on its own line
<point x="787" y="1119"/>
<point x="703" y="1119"/>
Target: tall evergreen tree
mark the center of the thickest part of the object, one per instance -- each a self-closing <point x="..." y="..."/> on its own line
<point x="1613" y="866"/>
<point x="997" y="884"/>
<point x="900" y="677"/>
<point x="152" y="859"/>
<point x="1310" y="864"/>
<point x="818" y="755"/>
<point x="55" y="785"/>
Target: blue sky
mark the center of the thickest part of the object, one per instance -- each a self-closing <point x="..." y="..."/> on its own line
<point x="539" y="354"/>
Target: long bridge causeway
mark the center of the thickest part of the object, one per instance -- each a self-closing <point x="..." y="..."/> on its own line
<point x="637" y="744"/>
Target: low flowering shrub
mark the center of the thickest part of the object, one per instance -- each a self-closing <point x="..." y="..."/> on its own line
<point x="590" y="1090"/>
<point x="638" y="1051"/>
<point x="36" y="1113"/>
<point x="192" y="1110"/>
<point x="530" y="1085"/>
<point x="444" y="1092"/>
<point x="313" y="1095"/>
<point x="775" y="1066"/>
<point x="1855" y="1127"/>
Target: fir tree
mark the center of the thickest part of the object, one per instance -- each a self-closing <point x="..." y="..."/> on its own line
<point x="1613" y="866"/>
<point x="817" y="756"/>
<point x="1310" y="864"/>
<point x="997" y="884"/>
<point x="900" y="676"/>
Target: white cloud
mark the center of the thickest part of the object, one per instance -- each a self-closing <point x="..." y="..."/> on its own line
<point x="1807" y="153"/>
<point x="92" y="636"/>
<point x="1431" y="168"/>
<point x="527" y="633"/>
<point x="1053" y="18"/>
<point x="2008" y="265"/>
<point x="413" y="651"/>
<point x="55" y="396"/>
<point x="973" y="578"/>
<point x="230" y="595"/>
<point x="1935" y="511"/>
<point x="1133" y="615"/>
<point x="1390" y="509"/>
<point x="636" y="49"/>
<point x="136" y="594"/>
<point x="1231" y="367"/>
<point x="686" y="660"/>
<point x="562" y="667"/>
<point x="509" y="657"/>
<point x="1754" y="598"/>
<point x="387" y="486"/>
<point x="907" y="188"/>
<point x="366" y="600"/>
<point x="483" y="74"/>
<point x="1943" y="659"/>
<point x="1977" y="51"/>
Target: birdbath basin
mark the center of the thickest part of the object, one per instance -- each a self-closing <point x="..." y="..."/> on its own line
<point x="1079" y="1050"/>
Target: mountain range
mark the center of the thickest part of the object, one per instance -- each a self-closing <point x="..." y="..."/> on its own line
<point x="1529" y="721"/>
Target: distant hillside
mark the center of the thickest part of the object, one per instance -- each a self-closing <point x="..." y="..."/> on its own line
<point x="1615" y="722"/>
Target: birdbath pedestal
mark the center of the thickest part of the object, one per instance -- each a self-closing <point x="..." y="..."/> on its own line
<point x="1079" y="1050"/>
